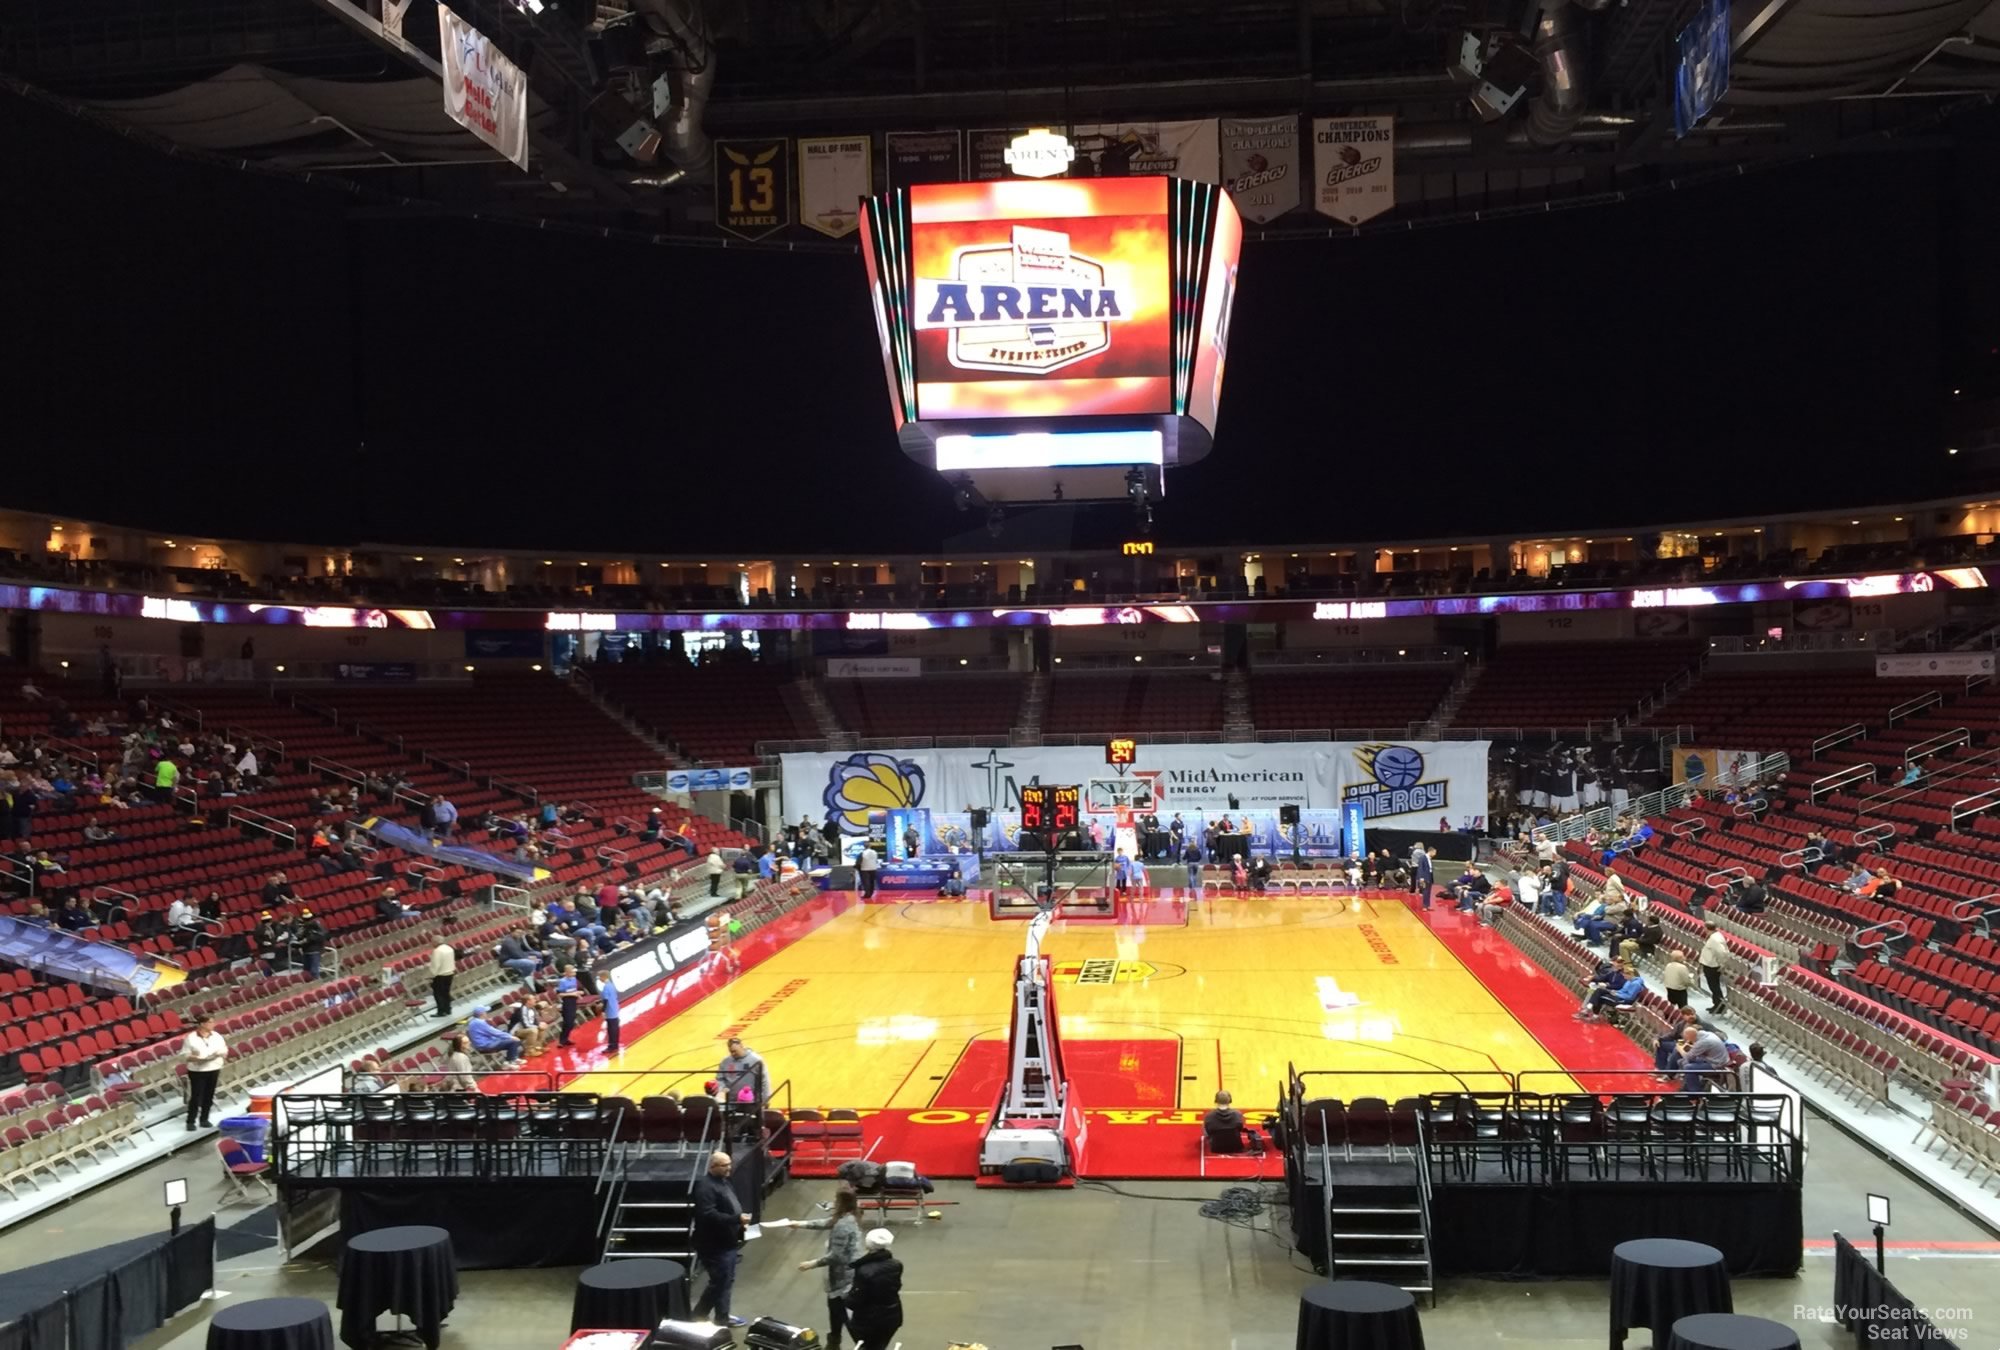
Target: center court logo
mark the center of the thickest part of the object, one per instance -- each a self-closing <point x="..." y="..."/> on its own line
<point x="1029" y="305"/>
<point x="1396" y="785"/>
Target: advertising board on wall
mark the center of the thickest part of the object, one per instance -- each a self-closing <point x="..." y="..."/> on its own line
<point x="1402" y="785"/>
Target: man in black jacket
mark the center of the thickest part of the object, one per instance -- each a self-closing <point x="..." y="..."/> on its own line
<point x="718" y="1238"/>
<point x="875" y="1302"/>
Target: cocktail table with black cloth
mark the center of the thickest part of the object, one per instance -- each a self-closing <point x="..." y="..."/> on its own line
<point x="1358" y="1315"/>
<point x="1657" y="1281"/>
<point x="1731" y="1331"/>
<point x="636" y="1294"/>
<point x="272" y="1324"/>
<point x="408" y="1270"/>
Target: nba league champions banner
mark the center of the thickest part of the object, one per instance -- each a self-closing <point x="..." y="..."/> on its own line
<point x="484" y="92"/>
<point x="1260" y="165"/>
<point x="1354" y="167"/>
<point x="1404" y="785"/>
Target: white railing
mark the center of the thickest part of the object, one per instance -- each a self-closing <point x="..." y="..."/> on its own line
<point x="1801" y="858"/>
<point x="1978" y="804"/>
<point x="1852" y="732"/>
<point x="1840" y="778"/>
<point x="1936" y="745"/>
<point x="257" y="820"/>
<point x="1874" y="834"/>
<point x="1910" y="707"/>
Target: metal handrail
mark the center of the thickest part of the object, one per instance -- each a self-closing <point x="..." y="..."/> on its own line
<point x="422" y="870"/>
<point x="1944" y="740"/>
<point x="522" y="791"/>
<point x="1682" y="829"/>
<point x="1801" y="858"/>
<point x="1853" y="731"/>
<point x="1750" y="808"/>
<point x="255" y="739"/>
<point x="1832" y="782"/>
<point x="72" y="750"/>
<point x="1869" y="834"/>
<point x="1891" y="930"/>
<point x="334" y="768"/>
<point x="1965" y="808"/>
<point x="499" y="894"/>
<point x="20" y="871"/>
<point x="258" y="820"/>
<point x="1914" y="705"/>
<point x="607" y="854"/>
<point x="188" y="798"/>
<point x="97" y="894"/>
<point x="1725" y="874"/>
<point x="1978" y="911"/>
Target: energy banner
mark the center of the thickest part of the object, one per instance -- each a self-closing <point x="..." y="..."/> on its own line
<point x="1260" y="165"/>
<point x="484" y="92"/>
<point x="1354" y="167"/>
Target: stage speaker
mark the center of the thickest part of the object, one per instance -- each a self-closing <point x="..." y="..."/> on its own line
<point x="691" y="1336"/>
<point x="768" y="1333"/>
<point x="1016" y="1173"/>
<point x="1288" y="814"/>
<point x="979" y="817"/>
<point x="842" y="879"/>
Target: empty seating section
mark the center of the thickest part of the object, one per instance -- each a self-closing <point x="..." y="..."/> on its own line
<point x="1134" y="703"/>
<point x="1388" y="698"/>
<point x="1781" y="710"/>
<point x="715" y="713"/>
<point x="947" y="705"/>
<point x="1570" y="684"/>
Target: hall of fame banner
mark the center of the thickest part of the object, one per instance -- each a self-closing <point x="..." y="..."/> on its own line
<point x="484" y="92"/>
<point x="1354" y="167"/>
<point x="753" y="187"/>
<point x="835" y="173"/>
<point x="1260" y="165"/>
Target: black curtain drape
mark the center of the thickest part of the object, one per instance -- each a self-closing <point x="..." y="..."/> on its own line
<point x="106" y="1298"/>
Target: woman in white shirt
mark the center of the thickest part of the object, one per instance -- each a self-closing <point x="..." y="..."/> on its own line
<point x="203" y="1050"/>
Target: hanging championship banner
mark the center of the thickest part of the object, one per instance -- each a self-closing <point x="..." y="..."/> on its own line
<point x="1260" y="165"/>
<point x="753" y="187"/>
<point x="484" y="92"/>
<point x="835" y="173"/>
<point x="986" y="154"/>
<point x="1138" y="149"/>
<point x="923" y="157"/>
<point x="1354" y="167"/>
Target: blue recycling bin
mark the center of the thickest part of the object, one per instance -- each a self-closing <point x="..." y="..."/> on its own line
<point x="250" y="1131"/>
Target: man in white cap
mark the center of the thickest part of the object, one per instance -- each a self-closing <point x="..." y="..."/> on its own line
<point x="875" y="1302"/>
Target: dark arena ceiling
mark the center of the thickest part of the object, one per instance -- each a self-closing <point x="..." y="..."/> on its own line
<point x="322" y="85"/>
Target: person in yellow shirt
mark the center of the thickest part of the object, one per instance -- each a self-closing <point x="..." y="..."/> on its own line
<point x="165" y="777"/>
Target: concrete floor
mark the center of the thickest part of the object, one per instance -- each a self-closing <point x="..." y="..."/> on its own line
<point x="1108" y="1271"/>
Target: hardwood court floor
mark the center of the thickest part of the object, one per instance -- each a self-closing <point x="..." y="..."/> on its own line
<point x="905" y="1007"/>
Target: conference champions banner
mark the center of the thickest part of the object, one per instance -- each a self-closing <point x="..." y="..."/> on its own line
<point x="923" y="157"/>
<point x="1354" y="167"/>
<point x="1260" y="165"/>
<point x="1400" y="785"/>
<point x="835" y="173"/>
<point x="753" y="187"/>
<point x="484" y="92"/>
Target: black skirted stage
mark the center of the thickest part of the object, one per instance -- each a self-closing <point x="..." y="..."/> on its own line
<point x="1523" y="1185"/>
<point x="106" y="1298"/>
<point x="475" y="1164"/>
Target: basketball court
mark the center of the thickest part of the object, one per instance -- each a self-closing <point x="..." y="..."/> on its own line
<point x="900" y="1010"/>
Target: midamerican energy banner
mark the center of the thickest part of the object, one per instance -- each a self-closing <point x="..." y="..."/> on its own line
<point x="1354" y="167"/>
<point x="484" y="92"/>
<point x="1260" y="165"/>
<point x="835" y="173"/>
<point x="1401" y="785"/>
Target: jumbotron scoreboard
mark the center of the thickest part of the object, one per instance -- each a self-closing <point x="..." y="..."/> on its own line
<point x="1045" y="338"/>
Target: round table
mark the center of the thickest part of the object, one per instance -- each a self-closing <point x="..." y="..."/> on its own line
<point x="1657" y="1281"/>
<point x="272" y="1324"/>
<point x="1730" y="1331"/>
<point x="410" y="1271"/>
<point x="1358" y="1315"/>
<point x="638" y="1293"/>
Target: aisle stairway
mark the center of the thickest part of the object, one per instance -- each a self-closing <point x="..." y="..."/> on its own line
<point x="1034" y="699"/>
<point x="1237" y="724"/>
<point x="1377" y="1225"/>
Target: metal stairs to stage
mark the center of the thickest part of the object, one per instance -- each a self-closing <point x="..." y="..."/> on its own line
<point x="647" y="1215"/>
<point x="1378" y="1225"/>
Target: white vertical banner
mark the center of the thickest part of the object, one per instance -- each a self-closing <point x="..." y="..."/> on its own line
<point x="1260" y="165"/>
<point x="392" y="16"/>
<point x="835" y="173"/>
<point x="1135" y="149"/>
<point x="1354" y="167"/>
<point x="484" y="92"/>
